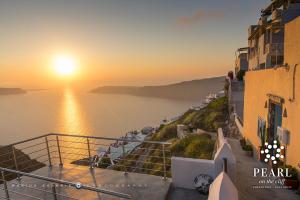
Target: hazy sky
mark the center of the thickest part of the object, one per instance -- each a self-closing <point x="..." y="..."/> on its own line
<point x="131" y="42"/>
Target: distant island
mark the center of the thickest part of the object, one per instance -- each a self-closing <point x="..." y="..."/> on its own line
<point x="7" y="91"/>
<point x="187" y="90"/>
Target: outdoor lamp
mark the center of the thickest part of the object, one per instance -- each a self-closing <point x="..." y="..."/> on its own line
<point x="284" y="113"/>
<point x="266" y="104"/>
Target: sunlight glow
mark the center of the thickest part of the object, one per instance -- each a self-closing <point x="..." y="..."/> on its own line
<point x="64" y="65"/>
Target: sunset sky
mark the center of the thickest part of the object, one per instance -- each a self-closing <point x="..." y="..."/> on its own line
<point x="121" y="42"/>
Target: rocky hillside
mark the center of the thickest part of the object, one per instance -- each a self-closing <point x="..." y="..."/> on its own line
<point x="187" y="90"/>
<point x="6" y="91"/>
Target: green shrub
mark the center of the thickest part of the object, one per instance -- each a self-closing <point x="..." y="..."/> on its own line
<point x="243" y="142"/>
<point x="240" y="75"/>
<point x="105" y="162"/>
<point x="247" y="147"/>
<point x="210" y="118"/>
<point x="194" y="146"/>
<point x="167" y="132"/>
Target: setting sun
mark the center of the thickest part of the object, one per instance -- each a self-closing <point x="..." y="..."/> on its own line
<point x="64" y="65"/>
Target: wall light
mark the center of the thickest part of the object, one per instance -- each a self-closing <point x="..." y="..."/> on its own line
<point x="284" y="113"/>
<point x="266" y="104"/>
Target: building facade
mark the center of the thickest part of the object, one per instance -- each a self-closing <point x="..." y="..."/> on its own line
<point x="266" y="39"/>
<point x="276" y="102"/>
<point x="241" y="62"/>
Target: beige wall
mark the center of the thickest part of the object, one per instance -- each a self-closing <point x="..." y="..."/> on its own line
<point x="277" y="82"/>
<point x="292" y="42"/>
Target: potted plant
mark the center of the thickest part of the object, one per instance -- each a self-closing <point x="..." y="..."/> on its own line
<point x="243" y="142"/>
<point x="248" y="150"/>
<point x="262" y="136"/>
<point x="291" y="181"/>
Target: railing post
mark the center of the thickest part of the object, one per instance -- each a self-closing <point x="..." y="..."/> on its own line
<point x="225" y="165"/>
<point x="164" y="157"/>
<point x="15" y="160"/>
<point x="59" y="153"/>
<point x="89" y="152"/>
<point x="124" y="154"/>
<point x="48" y="150"/>
<point x="5" y="185"/>
<point x="54" y="192"/>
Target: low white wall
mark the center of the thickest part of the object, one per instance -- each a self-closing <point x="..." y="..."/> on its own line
<point x="238" y="124"/>
<point x="184" y="171"/>
<point x="223" y="189"/>
<point x="225" y="152"/>
<point x="221" y="138"/>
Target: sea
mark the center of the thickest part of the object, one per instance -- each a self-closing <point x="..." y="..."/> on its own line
<point x="80" y="112"/>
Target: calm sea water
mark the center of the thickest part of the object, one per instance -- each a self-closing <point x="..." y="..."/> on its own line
<point x="80" y="112"/>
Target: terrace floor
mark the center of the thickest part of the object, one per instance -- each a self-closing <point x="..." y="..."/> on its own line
<point x="186" y="194"/>
<point x="140" y="186"/>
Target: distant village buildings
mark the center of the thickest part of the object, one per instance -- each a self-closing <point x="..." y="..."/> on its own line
<point x="272" y="81"/>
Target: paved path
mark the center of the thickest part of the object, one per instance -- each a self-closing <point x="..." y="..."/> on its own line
<point x="245" y="180"/>
<point x="237" y="97"/>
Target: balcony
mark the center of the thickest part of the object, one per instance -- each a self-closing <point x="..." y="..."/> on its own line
<point x="60" y="166"/>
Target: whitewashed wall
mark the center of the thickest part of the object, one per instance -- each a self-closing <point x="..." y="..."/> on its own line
<point x="223" y="189"/>
<point x="184" y="170"/>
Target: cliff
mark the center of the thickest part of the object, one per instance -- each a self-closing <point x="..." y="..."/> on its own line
<point x="187" y="90"/>
<point x="6" y="91"/>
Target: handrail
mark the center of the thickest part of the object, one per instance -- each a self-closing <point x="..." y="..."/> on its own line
<point x="85" y="136"/>
<point x="107" y="138"/>
<point x="68" y="183"/>
<point x="119" y="154"/>
<point x="27" y="140"/>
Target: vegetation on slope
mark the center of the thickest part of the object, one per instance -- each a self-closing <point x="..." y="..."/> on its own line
<point x="194" y="146"/>
<point x="199" y="146"/>
<point x="148" y="157"/>
<point x="209" y="118"/>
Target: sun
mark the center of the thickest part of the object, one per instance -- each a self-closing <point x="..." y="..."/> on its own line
<point x="64" y="65"/>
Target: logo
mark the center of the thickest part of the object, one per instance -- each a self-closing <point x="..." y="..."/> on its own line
<point x="272" y="152"/>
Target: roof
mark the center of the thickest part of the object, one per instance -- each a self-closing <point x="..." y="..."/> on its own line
<point x="276" y="4"/>
<point x="243" y="49"/>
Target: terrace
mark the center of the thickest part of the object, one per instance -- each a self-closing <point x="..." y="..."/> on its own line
<point x="48" y="170"/>
<point x="60" y="166"/>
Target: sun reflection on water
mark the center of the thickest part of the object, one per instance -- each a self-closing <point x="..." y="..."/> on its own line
<point x="73" y="121"/>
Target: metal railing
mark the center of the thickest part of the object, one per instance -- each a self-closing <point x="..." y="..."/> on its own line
<point x="53" y="182"/>
<point x="127" y="155"/>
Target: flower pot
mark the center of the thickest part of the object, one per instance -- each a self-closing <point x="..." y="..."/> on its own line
<point x="261" y="157"/>
<point x="292" y="184"/>
<point x="249" y="153"/>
